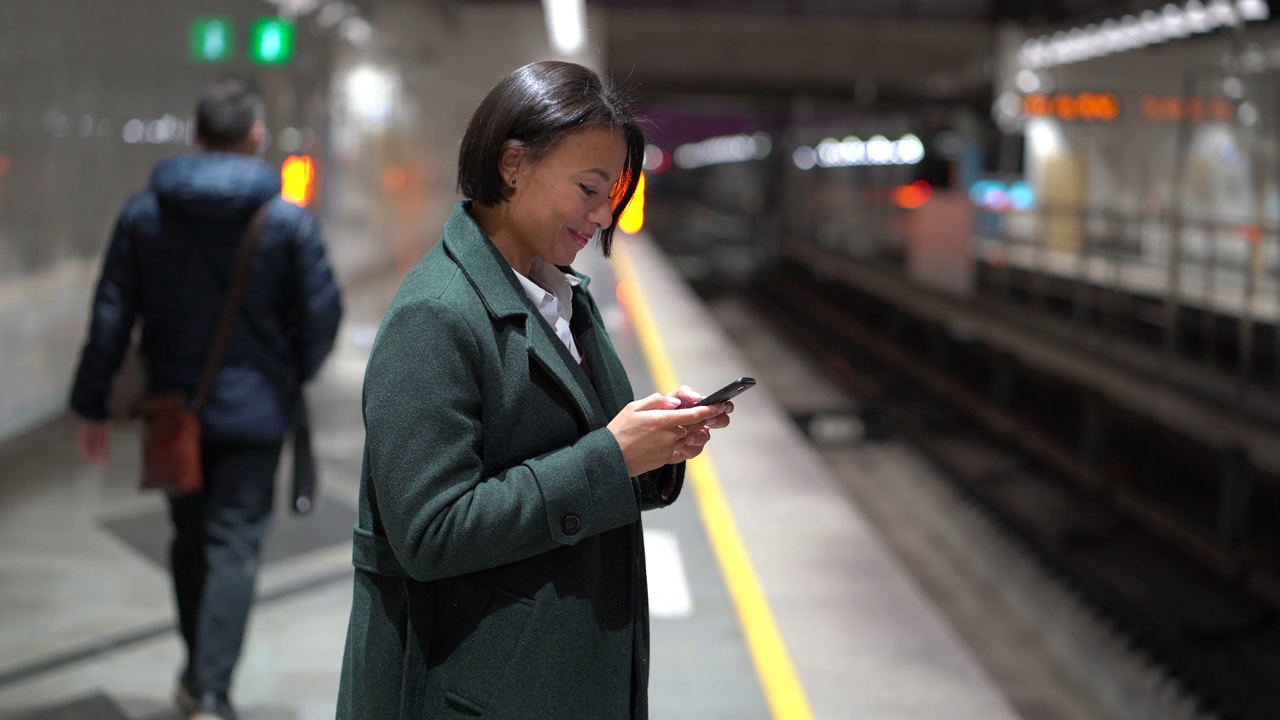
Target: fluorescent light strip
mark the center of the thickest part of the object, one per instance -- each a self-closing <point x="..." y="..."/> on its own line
<point x="566" y="24"/>
<point x="1131" y="33"/>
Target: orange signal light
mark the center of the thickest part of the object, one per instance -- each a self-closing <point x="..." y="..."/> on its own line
<point x="633" y="217"/>
<point x="297" y="179"/>
<point x="915" y="195"/>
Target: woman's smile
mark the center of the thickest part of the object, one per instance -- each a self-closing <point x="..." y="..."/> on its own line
<point x="581" y="238"/>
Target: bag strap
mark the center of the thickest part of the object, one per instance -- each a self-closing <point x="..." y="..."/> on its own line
<point x="230" y="307"/>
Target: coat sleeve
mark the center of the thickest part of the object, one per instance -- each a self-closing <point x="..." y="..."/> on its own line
<point x="669" y="478"/>
<point x="441" y="514"/>
<point x="114" y="309"/>
<point x="317" y="301"/>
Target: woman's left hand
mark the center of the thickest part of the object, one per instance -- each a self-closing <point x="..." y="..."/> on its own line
<point x="698" y="435"/>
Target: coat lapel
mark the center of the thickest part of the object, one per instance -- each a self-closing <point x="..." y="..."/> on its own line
<point x="496" y="284"/>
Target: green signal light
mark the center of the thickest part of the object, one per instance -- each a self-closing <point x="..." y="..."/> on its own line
<point x="211" y="39"/>
<point x="271" y="41"/>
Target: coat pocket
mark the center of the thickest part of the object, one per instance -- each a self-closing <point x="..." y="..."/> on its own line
<point x="487" y="654"/>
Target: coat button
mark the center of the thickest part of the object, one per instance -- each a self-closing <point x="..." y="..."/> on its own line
<point x="571" y="524"/>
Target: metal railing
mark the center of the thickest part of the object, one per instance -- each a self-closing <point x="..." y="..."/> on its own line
<point x="1155" y="268"/>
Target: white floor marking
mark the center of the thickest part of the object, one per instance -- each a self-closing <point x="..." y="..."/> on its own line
<point x="668" y="589"/>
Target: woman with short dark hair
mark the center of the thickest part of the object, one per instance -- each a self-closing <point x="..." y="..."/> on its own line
<point x="499" y="555"/>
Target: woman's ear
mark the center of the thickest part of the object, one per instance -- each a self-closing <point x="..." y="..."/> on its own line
<point x="510" y="160"/>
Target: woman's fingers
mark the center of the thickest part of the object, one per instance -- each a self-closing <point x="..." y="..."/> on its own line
<point x="656" y="401"/>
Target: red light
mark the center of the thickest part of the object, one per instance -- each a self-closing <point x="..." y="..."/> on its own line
<point x="4" y="165"/>
<point x="910" y="197"/>
<point x="664" y="162"/>
<point x="656" y="160"/>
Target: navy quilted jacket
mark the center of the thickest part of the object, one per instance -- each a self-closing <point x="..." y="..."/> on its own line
<point x="169" y="264"/>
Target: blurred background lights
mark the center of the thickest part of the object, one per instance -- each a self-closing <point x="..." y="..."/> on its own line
<point x="210" y="39"/>
<point x="1247" y="114"/>
<point x="998" y="196"/>
<point x="852" y="151"/>
<point x="1027" y="81"/>
<point x="909" y="149"/>
<point x="1021" y="196"/>
<point x="394" y="178"/>
<point x="915" y="195"/>
<point x="290" y="140"/>
<point x="656" y="159"/>
<point x="879" y="150"/>
<point x="133" y="131"/>
<point x="271" y="41"/>
<point x="805" y="157"/>
<point x="632" y="220"/>
<point x="356" y="30"/>
<point x="297" y="177"/>
<point x="566" y="24"/>
<point x="332" y="14"/>
<point x="370" y="93"/>
<point x="1151" y="27"/>
<point x="725" y="149"/>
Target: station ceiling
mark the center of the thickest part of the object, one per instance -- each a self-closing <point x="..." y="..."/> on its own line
<point x="1028" y="11"/>
<point x="913" y="50"/>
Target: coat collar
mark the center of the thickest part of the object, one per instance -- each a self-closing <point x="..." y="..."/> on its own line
<point x="500" y="291"/>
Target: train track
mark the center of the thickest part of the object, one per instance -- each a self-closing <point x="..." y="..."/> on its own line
<point x="1122" y="551"/>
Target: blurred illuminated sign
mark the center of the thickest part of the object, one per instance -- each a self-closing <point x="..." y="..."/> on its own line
<point x="297" y="179"/>
<point x="211" y="39"/>
<point x="1175" y="109"/>
<point x="271" y="41"/>
<point x="1085" y="106"/>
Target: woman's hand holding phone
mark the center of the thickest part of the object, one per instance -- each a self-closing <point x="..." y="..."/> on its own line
<point x="700" y="435"/>
<point x="663" y="429"/>
<point x="656" y="430"/>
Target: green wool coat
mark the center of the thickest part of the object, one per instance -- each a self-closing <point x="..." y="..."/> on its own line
<point x="499" y="556"/>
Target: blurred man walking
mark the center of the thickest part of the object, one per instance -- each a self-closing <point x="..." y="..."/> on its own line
<point x="170" y="262"/>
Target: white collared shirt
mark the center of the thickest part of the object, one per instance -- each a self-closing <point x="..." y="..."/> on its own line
<point x="556" y="306"/>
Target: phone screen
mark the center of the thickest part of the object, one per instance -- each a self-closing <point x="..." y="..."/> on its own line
<point x="728" y="392"/>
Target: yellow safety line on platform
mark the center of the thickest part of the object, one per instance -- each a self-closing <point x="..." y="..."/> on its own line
<point x="782" y="688"/>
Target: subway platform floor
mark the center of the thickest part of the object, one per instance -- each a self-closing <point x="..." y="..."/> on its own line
<point x="772" y="595"/>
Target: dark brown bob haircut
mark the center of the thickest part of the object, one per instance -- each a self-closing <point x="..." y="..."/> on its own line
<point x="538" y="106"/>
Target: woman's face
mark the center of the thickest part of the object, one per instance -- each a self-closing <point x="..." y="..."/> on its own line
<point x="561" y="200"/>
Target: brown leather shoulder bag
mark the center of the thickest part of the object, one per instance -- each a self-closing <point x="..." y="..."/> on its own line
<point x="171" y="422"/>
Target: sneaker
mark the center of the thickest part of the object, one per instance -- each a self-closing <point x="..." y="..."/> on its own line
<point x="214" y="707"/>
<point x="185" y="696"/>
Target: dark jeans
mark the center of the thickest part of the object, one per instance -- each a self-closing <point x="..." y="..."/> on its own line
<point x="214" y="556"/>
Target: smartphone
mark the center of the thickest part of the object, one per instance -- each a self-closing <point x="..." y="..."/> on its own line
<point x="728" y="392"/>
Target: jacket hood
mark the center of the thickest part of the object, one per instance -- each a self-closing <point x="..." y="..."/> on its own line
<point x="212" y="185"/>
